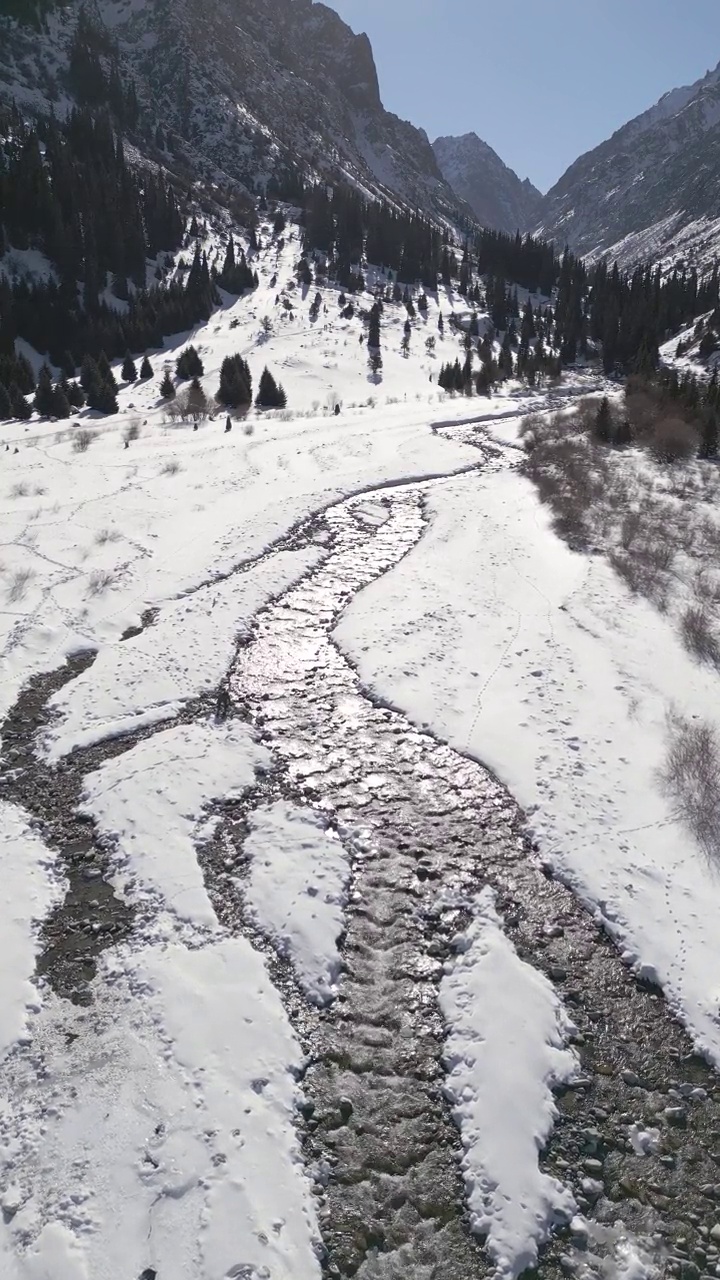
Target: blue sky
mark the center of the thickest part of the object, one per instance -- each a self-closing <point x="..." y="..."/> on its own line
<point x="541" y="80"/>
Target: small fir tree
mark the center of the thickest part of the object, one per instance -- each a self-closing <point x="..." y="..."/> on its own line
<point x="20" y="407"/>
<point x="44" y="401"/>
<point x="167" y="387"/>
<point x="189" y="364"/>
<point x="6" y="410"/>
<point x="270" y="395"/>
<point x="129" y="370"/>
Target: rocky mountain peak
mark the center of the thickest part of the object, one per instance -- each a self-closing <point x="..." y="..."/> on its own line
<point x="494" y="192"/>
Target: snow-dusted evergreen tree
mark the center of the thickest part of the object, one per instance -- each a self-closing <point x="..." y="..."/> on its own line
<point x="270" y="393"/>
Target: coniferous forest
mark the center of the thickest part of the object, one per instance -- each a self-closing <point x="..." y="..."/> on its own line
<point x="109" y="233"/>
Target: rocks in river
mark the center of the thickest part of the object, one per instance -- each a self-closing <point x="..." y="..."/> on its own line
<point x="592" y="1189"/>
<point x="715" y="1231"/>
<point x="676" y="1116"/>
<point x="346" y="1109"/>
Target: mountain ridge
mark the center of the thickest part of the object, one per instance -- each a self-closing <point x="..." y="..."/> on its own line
<point x="498" y="197"/>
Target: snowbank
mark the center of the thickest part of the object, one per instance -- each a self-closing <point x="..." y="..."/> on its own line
<point x="29" y="889"/>
<point x="151" y="800"/>
<point x="506" y="1048"/>
<point x="296" y="890"/>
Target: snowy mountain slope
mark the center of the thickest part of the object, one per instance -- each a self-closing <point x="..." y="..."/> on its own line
<point x="252" y="86"/>
<point x="661" y="171"/>
<point x="494" y="192"/>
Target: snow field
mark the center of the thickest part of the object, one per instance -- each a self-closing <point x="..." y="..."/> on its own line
<point x="160" y="1134"/>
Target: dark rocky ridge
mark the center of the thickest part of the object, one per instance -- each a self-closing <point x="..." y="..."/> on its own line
<point x="242" y="88"/>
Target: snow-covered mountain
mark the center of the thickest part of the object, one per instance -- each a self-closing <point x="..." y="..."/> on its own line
<point x="241" y="88"/>
<point x="651" y="191"/>
<point x="494" y="192"/>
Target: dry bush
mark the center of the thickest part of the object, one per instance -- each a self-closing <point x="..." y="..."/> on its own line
<point x="18" y="584"/>
<point x="171" y="467"/>
<point x="132" y="431"/>
<point x="706" y="585"/>
<point x="691" y="772"/>
<point x="584" y="413"/>
<point x="643" y="575"/>
<point x="107" y="535"/>
<point x="674" y="440"/>
<point x="82" y="440"/>
<point x="99" y="581"/>
<point x="698" y="635"/>
<point x="20" y="490"/>
<point x="631" y="529"/>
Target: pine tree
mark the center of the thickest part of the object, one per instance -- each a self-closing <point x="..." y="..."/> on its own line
<point x="89" y="373"/>
<point x="20" y="407"/>
<point x="197" y="401"/>
<point x="106" y="374"/>
<point x="270" y="394"/>
<point x="189" y="364"/>
<point x="167" y="387"/>
<point x="60" y="402"/>
<point x="129" y="371"/>
<point x="44" y="400"/>
<point x="235" y="388"/>
<point x="374" y="327"/>
<point x="6" y="409"/>
<point x="603" y="422"/>
<point x="709" y="437"/>
<point x="375" y="361"/>
<point x="75" y="395"/>
<point x="146" y="369"/>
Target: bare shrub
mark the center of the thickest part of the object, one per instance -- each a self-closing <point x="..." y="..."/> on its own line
<point x="691" y="772"/>
<point x="99" y="581"/>
<point x="107" y="535"/>
<point x="132" y="431"/>
<point x="18" y="584"/>
<point x="698" y="635"/>
<point x="82" y="440"/>
<point x="630" y="529"/>
<point x="643" y="576"/>
<point x="20" y="490"/>
<point x="171" y="467"/>
<point x="674" y="440"/>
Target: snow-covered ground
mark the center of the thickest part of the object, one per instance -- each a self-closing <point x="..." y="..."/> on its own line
<point x="174" y="1093"/>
